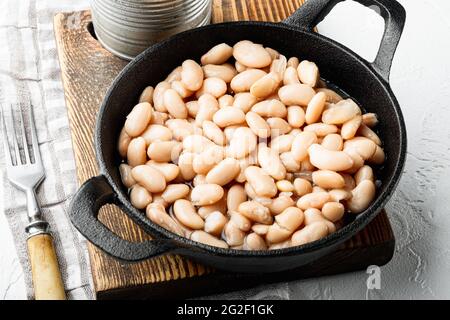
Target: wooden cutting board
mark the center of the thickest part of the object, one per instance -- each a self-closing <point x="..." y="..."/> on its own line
<point x="87" y="71"/>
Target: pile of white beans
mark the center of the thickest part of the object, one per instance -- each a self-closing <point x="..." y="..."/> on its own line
<point x="248" y="150"/>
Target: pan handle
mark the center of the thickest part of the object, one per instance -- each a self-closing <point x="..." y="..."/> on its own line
<point x="314" y="11"/>
<point x="83" y="212"/>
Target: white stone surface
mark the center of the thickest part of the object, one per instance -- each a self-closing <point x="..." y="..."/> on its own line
<point x="419" y="211"/>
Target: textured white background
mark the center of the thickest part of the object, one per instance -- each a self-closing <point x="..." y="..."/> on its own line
<point x="419" y="211"/>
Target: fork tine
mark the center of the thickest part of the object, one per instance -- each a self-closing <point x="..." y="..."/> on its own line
<point x="14" y="138"/>
<point x="5" y="140"/>
<point x="34" y="140"/>
<point x="24" y="137"/>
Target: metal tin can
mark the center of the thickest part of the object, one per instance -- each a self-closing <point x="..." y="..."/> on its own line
<point x="128" y="27"/>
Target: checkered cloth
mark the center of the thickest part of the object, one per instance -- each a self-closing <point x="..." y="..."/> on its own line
<point x="29" y="73"/>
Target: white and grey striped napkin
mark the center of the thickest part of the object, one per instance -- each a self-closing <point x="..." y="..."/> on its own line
<point x="29" y="73"/>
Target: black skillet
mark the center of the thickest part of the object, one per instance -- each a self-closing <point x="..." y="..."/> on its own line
<point x="366" y="82"/>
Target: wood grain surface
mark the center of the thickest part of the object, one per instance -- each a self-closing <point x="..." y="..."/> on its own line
<point x="87" y="72"/>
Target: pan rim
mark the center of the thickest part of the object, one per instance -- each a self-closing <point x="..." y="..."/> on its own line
<point x="181" y="243"/>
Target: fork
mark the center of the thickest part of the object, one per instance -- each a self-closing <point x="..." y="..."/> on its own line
<point x="27" y="174"/>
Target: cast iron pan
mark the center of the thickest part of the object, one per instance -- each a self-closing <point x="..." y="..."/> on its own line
<point x="364" y="81"/>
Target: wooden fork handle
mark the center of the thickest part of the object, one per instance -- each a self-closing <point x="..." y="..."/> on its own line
<point x="46" y="275"/>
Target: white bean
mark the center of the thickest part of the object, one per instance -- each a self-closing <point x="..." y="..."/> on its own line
<point x="123" y="143"/>
<point x="349" y="128"/>
<point x="185" y="164"/>
<point x="332" y="96"/>
<point x="285" y="186"/>
<point x="251" y="55"/>
<point x="312" y="215"/>
<point x="329" y="160"/>
<point x="255" y="212"/>
<point x="378" y="157"/>
<point x="174" y="104"/>
<point x="337" y="195"/>
<point x="206" y="160"/>
<point x="215" y="222"/>
<point x="242" y="222"/>
<point x="147" y="95"/>
<point x="191" y="75"/>
<point x="226" y="71"/>
<point x="243" y="81"/>
<point x="138" y="119"/>
<point x="206" y="238"/>
<point x="217" y="54"/>
<point x="232" y="234"/>
<point x="158" y="96"/>
<point x="214" y="86"/>
<point x="289" y="162"/>
<point x="197" y="143"/>
<point x="370" y="119"/>
<point x="206" y="194"/>
<point x="125" y="175"/>
<point x="261" y="182"/>
<point x="270" y="162"/>
<point x="302" y="186"/>
<point x="364" y="173"/>
<point x="174" y="192"/>
<point x="228" y="116"/>
<point x="333" y="211"/>
<point x="328" y="179"/>
<point x="253" y="241"/>
<point x="175" y="75"/>
<point x="341" y="112"/>
<point x="293" y="62"/>
<point x="290" y="219"/>
<point x="157" y="214"/>
<point x="169" y="170"/>
<point x="290" y="76"/>
<point x="208" y="106"/>
<point x="313" y="200"/>
<point x="235" y="196"/>
<point x="321" y="129"/>
<point x="156" y="132"/>
<point x="185" y="212"/>
<point x="182" y="91"/>
<point x="301" y="143"/>
<point x="242" y="143"/>
<point x="225" y="101"/>
<point x="308" y="73"/>
<point x="282" y="143"/>
<point x="270" y="108"/>
<point x="315" y="108"/>
<point x="149" y="177"/>
<point x="333" y="142"/>
<point x="363" y="146"/>
<point x="368" y="133"/>
<point x="296" y="94"/>
<point x="281" y="203"/>
<point x="265" y="86"/>
<point x="257" y="124"/>
<point x="140" y="197"/>
<point x="192" y="107"/>
<point x="295" y="116"/>
<point x="278" y="126"/>
<point x="136" y="152"/>
<point x="244" y="101"/>
<point x="362" y="196"/>
<point x="224" y="172"/>
<point x="310" y="233"/>
<point x="276" y="234"/>
<point x="164" y="151"/>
